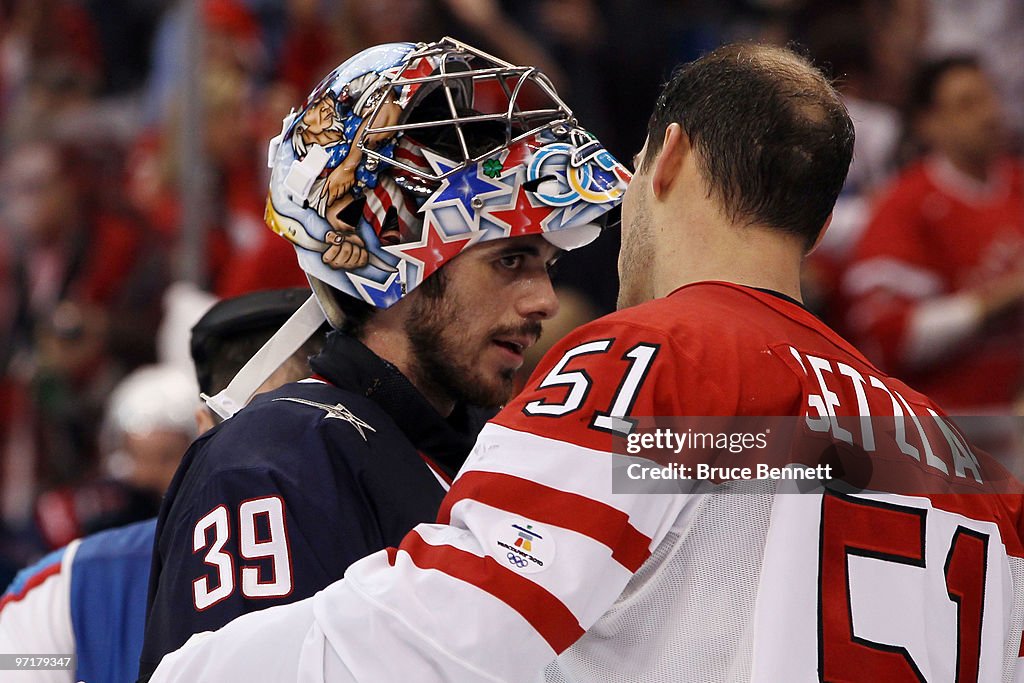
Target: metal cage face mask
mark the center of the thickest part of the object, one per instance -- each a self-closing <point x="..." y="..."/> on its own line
<point x="407" y="154"/>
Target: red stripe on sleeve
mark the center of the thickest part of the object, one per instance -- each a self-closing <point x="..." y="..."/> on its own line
<point x="542" y="610"/>
<point x="35" y="581"/>
<point x="541" y="503"/>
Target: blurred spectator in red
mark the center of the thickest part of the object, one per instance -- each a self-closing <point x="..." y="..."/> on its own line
<point x="254" y="258"/>
<point x="241" y="253"/>
<point x="937" y="282"/>
<point x="75" y="264"/>
<point x="842" y="40"/>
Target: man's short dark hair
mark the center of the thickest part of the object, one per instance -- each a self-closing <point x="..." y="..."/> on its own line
<point x="926" y="79"/>
<point x="773" y="138"/>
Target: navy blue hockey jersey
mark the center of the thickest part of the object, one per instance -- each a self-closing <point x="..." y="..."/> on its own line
<point x="275" y="503"/>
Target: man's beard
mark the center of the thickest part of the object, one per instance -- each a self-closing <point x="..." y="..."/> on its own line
<point x="445" y="365"/>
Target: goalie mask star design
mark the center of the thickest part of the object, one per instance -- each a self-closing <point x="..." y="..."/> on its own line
<point x="406" y="154"/>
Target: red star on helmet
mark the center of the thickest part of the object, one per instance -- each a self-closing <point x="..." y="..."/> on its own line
<point x="422" y="67"/>
<point x="434" y="249"/>
<point x="524" y="218"/>
<point x="520" y="153"/>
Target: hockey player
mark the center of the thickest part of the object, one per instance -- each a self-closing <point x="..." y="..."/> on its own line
<point x="537" y="562"/>
<point x="476" y="203"/>
<point x="89" y="597"/>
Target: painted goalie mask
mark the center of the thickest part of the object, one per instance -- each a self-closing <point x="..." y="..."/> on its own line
<point x="407" y="154"/>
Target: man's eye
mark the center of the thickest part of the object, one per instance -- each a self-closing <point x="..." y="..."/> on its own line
<point x="511" y="262"/>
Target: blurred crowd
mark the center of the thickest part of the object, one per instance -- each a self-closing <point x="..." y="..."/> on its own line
<point x="133" y="136"/>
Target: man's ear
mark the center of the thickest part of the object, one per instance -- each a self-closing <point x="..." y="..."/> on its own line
<point x="669" y="163"/>
<point x="204" y="419"/>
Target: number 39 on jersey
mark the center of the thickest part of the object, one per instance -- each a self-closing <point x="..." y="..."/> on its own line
<point x="261" y="533"/>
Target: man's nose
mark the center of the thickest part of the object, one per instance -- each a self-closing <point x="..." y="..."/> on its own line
<point x="539" y="301"/>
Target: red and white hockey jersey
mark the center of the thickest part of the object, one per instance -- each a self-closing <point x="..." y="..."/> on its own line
<point x="538" y="570"/>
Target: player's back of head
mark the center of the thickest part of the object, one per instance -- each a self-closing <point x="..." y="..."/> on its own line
<point x="233" y="330"/>
<point x="773" y="139"/>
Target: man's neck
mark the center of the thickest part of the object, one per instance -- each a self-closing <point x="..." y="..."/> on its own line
<point x="442" y="402"/>
<point x="745" y="255"/>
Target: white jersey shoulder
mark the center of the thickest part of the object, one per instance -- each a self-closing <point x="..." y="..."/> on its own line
<point x="38" y="621"/>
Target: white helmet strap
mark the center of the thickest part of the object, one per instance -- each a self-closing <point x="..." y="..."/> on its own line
<point x="279" y="348"/>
